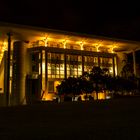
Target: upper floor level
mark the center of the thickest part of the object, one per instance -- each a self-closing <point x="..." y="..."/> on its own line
<point x="42" y="37"/>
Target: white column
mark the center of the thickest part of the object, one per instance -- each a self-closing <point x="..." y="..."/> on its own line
<point x="134" y="62"/>
<point x="19" y="73"/>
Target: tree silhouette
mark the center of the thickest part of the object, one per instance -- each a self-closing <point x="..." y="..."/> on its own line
<point x="86" y="85"/>
<point x="70" y="86"/>
<point x="127" y="70"/>
<point x="97" y="77"/>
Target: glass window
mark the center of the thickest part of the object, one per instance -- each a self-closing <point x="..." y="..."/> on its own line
<point x="62" y="57"/>
<point x="95" y="60"/>
<point x="61" y="76"/>
<point x="85" y="59"/>
<point x="79" y="73"/>
<point x="49" y="55"/>
<point x="49" y="76"/>
<point x="61" y="72"/>
<point x="49" y="71"/>
<point x="110" y="60"/>
<point x="79" y="58"/>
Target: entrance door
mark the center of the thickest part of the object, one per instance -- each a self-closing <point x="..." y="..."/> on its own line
<point x="33" y="90"/>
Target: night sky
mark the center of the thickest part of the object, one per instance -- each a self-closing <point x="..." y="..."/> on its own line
<point x="117" y="19"/>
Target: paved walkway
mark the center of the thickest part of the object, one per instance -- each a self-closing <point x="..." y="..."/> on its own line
<point x="110" y="120"/>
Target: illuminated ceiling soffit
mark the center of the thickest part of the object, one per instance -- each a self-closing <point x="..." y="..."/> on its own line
<point x="33" y="35"/>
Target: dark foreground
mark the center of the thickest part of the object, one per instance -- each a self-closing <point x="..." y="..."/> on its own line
<point x="117" y="119"/>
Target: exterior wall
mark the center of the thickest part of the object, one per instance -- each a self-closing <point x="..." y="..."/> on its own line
<point x="28" y="62"/>
<point x="54" y="64"/>
<point x="2" y="78"/>
<point x="5" y="76"/>
<point x="63" y="58"/>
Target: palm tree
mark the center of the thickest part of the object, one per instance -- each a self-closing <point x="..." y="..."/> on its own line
<point x="127" y="69"/>
<point x="131" y="81"/>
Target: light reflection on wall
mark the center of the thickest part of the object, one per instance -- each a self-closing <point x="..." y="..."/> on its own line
<point x="43" y="70"/>
<point x="3" y="47"/>
<point x="115" y="63"/>
<point x="101" y="95"/>
<point x="48" y="96"/>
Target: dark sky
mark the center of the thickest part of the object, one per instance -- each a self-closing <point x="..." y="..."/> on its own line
<point x="117" y="19"/>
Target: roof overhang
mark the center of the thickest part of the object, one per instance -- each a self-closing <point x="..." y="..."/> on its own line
<point x="30" y="33"/>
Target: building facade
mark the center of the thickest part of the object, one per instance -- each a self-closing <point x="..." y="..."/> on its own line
<point x="39" y="59"/>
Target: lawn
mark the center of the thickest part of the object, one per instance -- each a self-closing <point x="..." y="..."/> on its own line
<point x="117" y="119"/>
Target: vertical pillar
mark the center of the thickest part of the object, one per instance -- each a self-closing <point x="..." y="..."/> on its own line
<point x="134" y="62"/>
<point x="113" y="65"/>
<point x="46" y="71"/>
<point x="19" y="73"/>
<point x="98" y="61"/>
<point x="43" y="69"/>
<point x="82" y="64"/>
<point x="8" y="70"/>
<point x="40" y="67"/>
<point x="65" y="65"/>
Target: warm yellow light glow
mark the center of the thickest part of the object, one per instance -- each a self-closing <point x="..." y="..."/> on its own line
<point x="111" y="70"/>
<point x="115" y="62"/>
<point x="112" y="48"/>
<point x="5" y="43"/>
<point x="101" y="96"/>
<point x="2" y="49"/>
<point x="81" y="45"/>
<point x="4" y="46"/>
<point x="80" y="67"/>
<point x="64" y="43"/>
<point x="43" y="67"/>
<point x="56" y="83"/>
<point x="82" y="97"/>
<point x="46" y="41"/>
<point x="62" y="67"/>
<point x="97" y="47"/>
<point x="48" y="97"/>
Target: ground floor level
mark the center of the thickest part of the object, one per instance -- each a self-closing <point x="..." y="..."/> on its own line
<point x="35" y="72"/>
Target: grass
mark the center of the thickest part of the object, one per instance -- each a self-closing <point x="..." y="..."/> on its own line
<point x="109" y="119"/>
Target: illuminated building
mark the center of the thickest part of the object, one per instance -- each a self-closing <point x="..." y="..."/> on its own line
<point x="41" y="58"/>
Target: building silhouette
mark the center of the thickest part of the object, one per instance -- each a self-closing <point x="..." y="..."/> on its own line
<point x="33" y="60"/>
